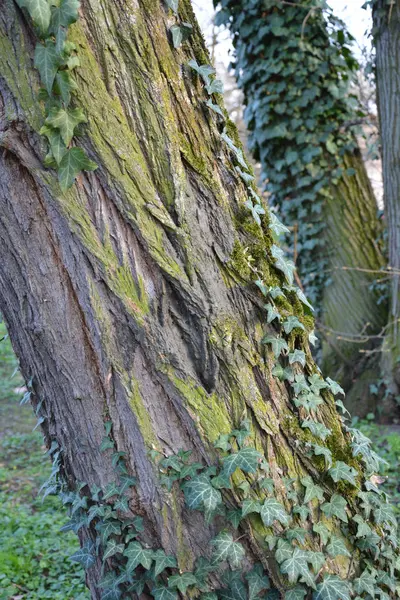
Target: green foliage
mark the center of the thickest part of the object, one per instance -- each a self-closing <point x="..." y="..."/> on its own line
<point x="55" y="59"/>
<point x="294" y="66"/>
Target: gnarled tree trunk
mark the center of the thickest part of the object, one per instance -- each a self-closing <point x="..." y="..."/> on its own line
<point x="129" y="299"/>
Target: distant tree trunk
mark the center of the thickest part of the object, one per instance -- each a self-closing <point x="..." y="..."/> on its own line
<point x="289" y="68"/>
<point x="130" y="298"/>
<point x="387" y="42"/>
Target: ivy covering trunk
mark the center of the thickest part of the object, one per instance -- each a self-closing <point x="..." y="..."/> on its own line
<point x="166" y="350"/>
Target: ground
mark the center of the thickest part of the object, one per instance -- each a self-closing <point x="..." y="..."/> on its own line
<point x="34" y="561"/>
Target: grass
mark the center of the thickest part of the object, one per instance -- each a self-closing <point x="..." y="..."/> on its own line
<point x="34" y="555"/>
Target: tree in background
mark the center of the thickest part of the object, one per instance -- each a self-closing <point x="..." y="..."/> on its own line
<point x="165" y="347"/>
<point x="293" y="63"/>
<point x="386" y="18"/>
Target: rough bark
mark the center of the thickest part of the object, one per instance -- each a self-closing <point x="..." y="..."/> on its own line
<point x="127" y="297"/>
<point x="387" y="42"/>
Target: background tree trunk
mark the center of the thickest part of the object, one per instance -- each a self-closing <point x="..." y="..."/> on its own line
<point x="387" y="43"/>
<point x="129" y="297"/>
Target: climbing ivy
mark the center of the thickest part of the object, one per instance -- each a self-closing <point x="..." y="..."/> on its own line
<point x="55" y="59"/>
<point x="303" y="525"/>
<point x="293" y="63"/>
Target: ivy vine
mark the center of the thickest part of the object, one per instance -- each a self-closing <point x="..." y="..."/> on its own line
<point x="55" y="59"/>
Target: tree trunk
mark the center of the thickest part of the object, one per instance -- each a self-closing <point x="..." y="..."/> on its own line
<point x="387" y="43"/>
<point x="292" y="71"/>
<point x="129" y="298"/>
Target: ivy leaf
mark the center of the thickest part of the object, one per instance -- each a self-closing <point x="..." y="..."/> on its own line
<point x="64" y="85"/>
<point x="66" y="120"/>
<point x="278" y="344"/>
<point x="73" y="162"/>
<point x="297" y="566"/>
<point x="111" y="490"/>
<point x="297" y="533"/>
<point x="312" y="490"/>
<point x="204" y="71"/>
<point x="284" y="550"/>
<point x="215" y="87"/>
<point x="64" y="15"/>
<point x="316" y="559"/>
<point x="257" y="581"/>
<point x="247" y="459"/>
<point x="309" y="401"/>
<point x="272" y="313"/>
<point x="303" y="511"/>
<point x="250" y="506"/>
<point x="58" y="149"/>
<point x="180" y="33"/>
<point x="85" y="555"/>
<point x="234" y="517"/>
<point x="317" y="383"/>
<point x="282" y="264"/>
<point x="113" y="548"/>
<point x="272" y="510"/>
<point x="296" y="593"/>
<point x="334" y="387"/>
<point x="173" y="5"/>
<point x="247" y="178"/>
<point x="46" y="62"/>
<point x="384" y="514"/>
<point x="300" y="385"/>
<point x="337" y="547"/>
<point x="302" y="297"/>
<point x="325" y="452"/>
<point x="365" y="583"/>
<point x="336" y="508"/>
<point x="163" y="593"/>
<point x="182" y="582"/>
<point x="200" y="493"/>
<point x="256" y="210"/>
<point x="317" y="429"/>
<point x="291" y="323"/>
<point x="323" y="532"/>
<point x="297" y="356"/>
<point x="332" y="588"/>
<point x="276" y="226"/>
<point x="312" y="338"/>
<point x="227" y="549"/>
<point x="342" y="472"/>
<point x="214" y="107"/>
<point x="137" y="555"/>
<point x="39" y="11"/>
<point x="339" y="404"/>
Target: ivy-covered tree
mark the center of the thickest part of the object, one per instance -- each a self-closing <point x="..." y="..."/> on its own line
<point x="194" y="440"/>
<point x="294" y="66"/>
<point x="386" y="18"/>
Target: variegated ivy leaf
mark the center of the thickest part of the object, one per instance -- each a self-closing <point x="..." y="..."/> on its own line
<point x="297" y="533"/>
<point x="312" y="338"/>
<point x="343" y="472"/>
<point x="339" y="404"/>
<point x="137" y="555"/>
<point x="291" y="323"/>
<point x="282" y="374"/>
<point x="303" y="511"/>
<point x="317" y="429"/>
<point x="284" y="550"/>
<point x="302" y="297"/>
<point x="234" y="517"/>
<point x="237" y="151"/>
<point x="284" y="265"/>
<point x="272" y="510"/>
<point x="297" y="356"/>
<point x="323" y="532"/>
<point x="182" y="582"/>
<point x="257" y="581"/>
<point x="272" y="313"/>
<point x="384" y="514"/>
<point x="279" y="345"/>
<point x="204" y="71"/>
<point x="215" y="87"/>
<point x="199" y="493"/>
<point x="214" y="107"/>
<point x="276" y="292"/>
<point x="180" y="33"/>
<point x="296" y="593"/>
<point x="39" y="11"/>
<point x="334" y="387"/>
<point x="276" y="226"/>
<point x="163" y="593"/>
<point x="297" y="566"/>
<point x="261" y="286"/>
<point x="113" y="548"/>
<point x="247" y="178"/>
<point x="256" y="210"/>
<point x="337" y="547"/>
<point x="366" y="583"/>
<point x="300" y="384"/>
<point x="226" y="549"/>
<point x="317" y="383"/>
<point x="112" y="489"/>
<point x="363" y="529"/>
<point x="336" y="508"/>
<point x="85" y="556"/>
<point x="250" y="506"/>
<point x="173" y="5"/>
<point x="313" y="491"/>
<point x="332" y="588"/>
<point x="309" y="401"/>
<point x="247" y="459"/>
